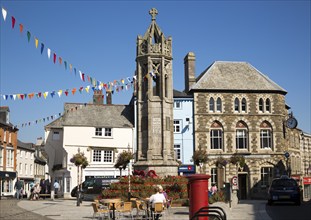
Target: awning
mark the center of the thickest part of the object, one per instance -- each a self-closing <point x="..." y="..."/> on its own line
<point x="7" y="174"/>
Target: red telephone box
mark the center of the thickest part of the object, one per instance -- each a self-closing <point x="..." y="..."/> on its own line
<point x="197" y="193"/>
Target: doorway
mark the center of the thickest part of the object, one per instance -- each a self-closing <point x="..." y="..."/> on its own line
<point x="242" y="194"/>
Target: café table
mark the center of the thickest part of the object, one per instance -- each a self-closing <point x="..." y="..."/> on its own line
<point x="113" y="202"/>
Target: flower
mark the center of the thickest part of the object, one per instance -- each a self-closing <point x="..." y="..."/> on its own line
<point x="199" y="156"/>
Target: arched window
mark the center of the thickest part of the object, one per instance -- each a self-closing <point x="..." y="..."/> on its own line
<point x="244" y="105"/>
<point x="241" y="136"/>
<point x="237" y="105"/>
<point x="216" y="136"/>
<point x="211" y="104"/>
<point x="219" y="105"/>
<point x="260" y="105"/>
<point x="268" y="107"/>
<point x="266" y="135"/>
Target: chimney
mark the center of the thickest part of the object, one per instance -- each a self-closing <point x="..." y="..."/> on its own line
<point x="98" y="97"/>
<point x="108" y="97"/>
<point x="189" y="63"/>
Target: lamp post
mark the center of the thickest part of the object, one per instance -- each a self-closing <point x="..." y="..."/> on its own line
<point x="287" y="167"/>
<point x="129" y="175"/>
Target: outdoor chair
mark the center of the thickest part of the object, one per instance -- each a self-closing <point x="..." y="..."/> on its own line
<point x="141" y="208"/>
<point x="158" y="210"/>
<point x="103" y="212"/>
<point x="125" y="208"/>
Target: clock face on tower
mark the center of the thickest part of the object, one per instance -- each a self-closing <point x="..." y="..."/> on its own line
<point x="291" y="123"/>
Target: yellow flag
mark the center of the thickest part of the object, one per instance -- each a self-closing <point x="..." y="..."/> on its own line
<point x="36" y="42"/>
<point x="45" y="94"/>
<point x="60" y="92"/>
<point x="87" y="89"/>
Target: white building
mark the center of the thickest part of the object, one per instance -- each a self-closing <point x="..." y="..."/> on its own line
<point x="100" y="131"/>
<point x="25" y="164"/>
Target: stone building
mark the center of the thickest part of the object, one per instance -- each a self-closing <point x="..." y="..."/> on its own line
<point x="240" y="114"/>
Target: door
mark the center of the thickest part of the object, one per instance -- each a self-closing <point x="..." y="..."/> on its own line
<point x="242" y="186"/>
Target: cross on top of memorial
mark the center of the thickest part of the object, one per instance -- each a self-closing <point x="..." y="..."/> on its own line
<point x="153" y="12"/>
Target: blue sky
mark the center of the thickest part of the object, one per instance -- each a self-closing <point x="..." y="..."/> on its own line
<point x="99" y="38"/>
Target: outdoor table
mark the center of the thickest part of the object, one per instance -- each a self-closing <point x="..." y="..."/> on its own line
<point x="113" y="202"/>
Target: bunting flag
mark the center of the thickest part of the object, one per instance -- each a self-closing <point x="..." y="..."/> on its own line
<point x="28" y="35"/>
<point x="4" y="13"/>
<point x="36" y="42"/>
<point x="49" y="52"/>
<point x="42" y="47"/>
<point x="13" y="22"/>
<point x="21" y="28"/>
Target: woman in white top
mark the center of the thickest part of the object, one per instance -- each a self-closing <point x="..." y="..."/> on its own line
<point x="157" y="197"/>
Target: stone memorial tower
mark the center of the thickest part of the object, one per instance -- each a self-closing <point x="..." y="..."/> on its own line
<point x="154" y="92"/>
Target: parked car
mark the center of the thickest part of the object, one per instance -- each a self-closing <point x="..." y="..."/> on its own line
<point x="284" y="189"/>
<point x="92" y="187"/>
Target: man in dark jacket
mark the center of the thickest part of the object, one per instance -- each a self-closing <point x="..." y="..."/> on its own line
<point x="19" y="187"/>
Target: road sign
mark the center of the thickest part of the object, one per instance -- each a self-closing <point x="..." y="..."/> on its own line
<point x="234" y="180"/>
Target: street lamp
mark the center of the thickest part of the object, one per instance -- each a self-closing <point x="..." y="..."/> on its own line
<point x="129" y="174"/>
<point x="287" y="167"/>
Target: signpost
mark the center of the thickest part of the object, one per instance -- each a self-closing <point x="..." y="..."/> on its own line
<point x="234" y="181"/>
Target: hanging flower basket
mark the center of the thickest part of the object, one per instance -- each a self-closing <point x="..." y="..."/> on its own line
<point x="199" y="156"/>
<point x="238" y="160"/>
<point x="221" y="161"/>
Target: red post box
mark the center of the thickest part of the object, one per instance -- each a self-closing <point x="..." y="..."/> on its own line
<point x="197" y="193"/>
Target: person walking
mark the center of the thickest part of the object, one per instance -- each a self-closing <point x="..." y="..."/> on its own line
<point x="56" y="187"/>
<point x="19" y="187"/>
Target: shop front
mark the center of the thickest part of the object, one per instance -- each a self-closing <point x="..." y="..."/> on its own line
<point x="306" y="188"/>
<point x="7" y="183"/>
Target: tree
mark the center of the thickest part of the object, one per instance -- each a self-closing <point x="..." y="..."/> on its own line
<point x="199" y="158"/>
<point x="123" y="160"/>
<point x="79" y="160"/>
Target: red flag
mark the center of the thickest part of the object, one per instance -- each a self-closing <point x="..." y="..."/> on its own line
<point x="66" y="92"/>
<point x="83" y="77"/>
<point x="13" y="22"/>
<point x="54" y="57"/>
<point x="22" y="97"/>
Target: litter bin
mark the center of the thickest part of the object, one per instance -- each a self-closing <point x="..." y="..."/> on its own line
<point x="197" y="193"/>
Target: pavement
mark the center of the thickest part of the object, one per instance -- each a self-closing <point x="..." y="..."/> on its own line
<point x="66" y="210"/>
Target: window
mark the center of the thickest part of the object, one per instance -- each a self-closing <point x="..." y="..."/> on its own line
<point x="216" y="139"/>
<point x="1" y="156"/>
<point x="26" y="169"/>
<point x="97" y="155"/>
<point x="177" y="126"/>
<point x="261" y="105"/>
<point x="9" y="158"/>
<point x="244" y="105"/>
<point x="102" y="156"/>
<point x="108" y="132"/>
<point x="265" y="135"/>
<point x="10" y="137"/>
<point x="26" y="154"/>
<point x="265" y="138"/>
<point x="31" y="156"/>
<point x="4" y="136"/>
<point x="214" y="176"/>
<point x="218" y="105"/>
<point x="177" y="105"/>
<point x="177" y="151"/>
<point x="31" y="169"/>
<point x="241" y="139"/>
<point x="20" y="168"/>
<point x="56" y="135"/>
<point x="266" y="176"/>
<point x="211" y="105"/>
<point x="98" y="132"/>
<point x="237" y="105"/>
<point x="20" y="153"/>
<point x="268" y="109"/>
<point x="107" y="156"/>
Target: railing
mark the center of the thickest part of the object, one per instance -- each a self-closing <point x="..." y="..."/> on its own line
<point x="217" y="213"/>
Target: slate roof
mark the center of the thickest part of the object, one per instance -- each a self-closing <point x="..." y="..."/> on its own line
<point x="222" y="75"/>
<point x="26" y="146"/>
<point x="94" y="115"/>
<point x="179" y="94"/>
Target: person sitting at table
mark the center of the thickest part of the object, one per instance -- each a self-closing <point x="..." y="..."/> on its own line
<point x="157" y="197"/>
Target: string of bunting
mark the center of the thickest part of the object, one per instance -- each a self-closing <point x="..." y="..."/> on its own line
<point x="49" y="118"/>
<point x="117" y="84"/>
<point x="108" y="87"/>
